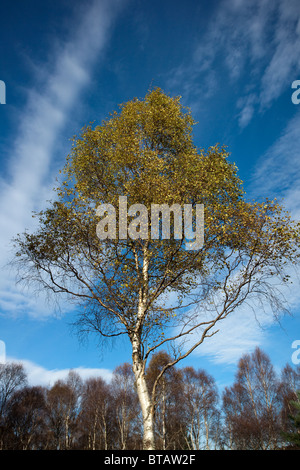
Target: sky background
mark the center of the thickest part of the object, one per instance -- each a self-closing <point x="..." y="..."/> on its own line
<point x="66" y="64"/>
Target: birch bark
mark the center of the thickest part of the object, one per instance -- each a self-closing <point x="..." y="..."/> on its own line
<point x="138" y="362"/>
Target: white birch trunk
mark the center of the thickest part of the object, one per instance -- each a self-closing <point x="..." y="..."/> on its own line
<point x="138" y="363"/>
<point x="144" y="399"/>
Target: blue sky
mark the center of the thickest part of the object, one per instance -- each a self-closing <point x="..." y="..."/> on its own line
<point x="66" y="64"/>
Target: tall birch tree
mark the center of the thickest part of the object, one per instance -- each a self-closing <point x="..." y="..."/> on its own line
<point x="136" y="282"/>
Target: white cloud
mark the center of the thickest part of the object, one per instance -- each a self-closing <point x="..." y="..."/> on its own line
<point x="28" y="181"/>
<point x="238" y="333"/>
<point x="38" y="375"/>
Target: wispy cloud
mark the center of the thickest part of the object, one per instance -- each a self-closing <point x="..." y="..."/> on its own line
<point x="247" y="326"/>
<point x="247" y="106"/>
<point x="277" y="172"/>
<point x="239" y="333"/>
<point x="252" y="47"/>
<point x="284" y="62"/>
<point x="28" y="180"/>
<point x="250" y="50"/>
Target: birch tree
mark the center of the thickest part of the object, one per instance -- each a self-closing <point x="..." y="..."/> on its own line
<point x="96" y="423"/>
<point x="157" y="288"/>
<point x="201" y="398"/>
<point x="62" y="409"/>
<point x="125" y="406"/>
<point x="12" y="377"/>
<point x="252" y="405"/>
<point x="170" y="416"/>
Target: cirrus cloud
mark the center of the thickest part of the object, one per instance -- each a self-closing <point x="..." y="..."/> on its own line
<point x="29" y="177"/>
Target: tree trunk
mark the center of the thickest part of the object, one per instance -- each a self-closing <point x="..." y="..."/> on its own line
<point x="164" y="432"/>
<point x="144" y="397"/>
<point x="206" y="431"/>
<point x="138" y="363"/>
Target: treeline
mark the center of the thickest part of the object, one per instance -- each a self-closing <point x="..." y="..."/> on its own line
<point x="257" y="412"/>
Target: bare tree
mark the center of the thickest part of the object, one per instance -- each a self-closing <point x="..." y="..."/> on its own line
<point x="252" y="405"/>
<point x="288" y="388"/>
<point x="12" y="377"/>
<point x="25" y="420"/>
<point x="97" y="426"/>
<point x="62" y="410"/>
<point x="125" y="401"/>
<point x="201" y="398"/>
